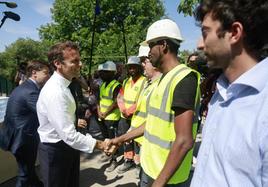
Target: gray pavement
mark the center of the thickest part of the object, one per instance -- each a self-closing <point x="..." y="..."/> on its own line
<point x="92" y="174"/>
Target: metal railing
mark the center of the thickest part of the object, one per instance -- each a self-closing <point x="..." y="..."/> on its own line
<point x="6" y="86"/>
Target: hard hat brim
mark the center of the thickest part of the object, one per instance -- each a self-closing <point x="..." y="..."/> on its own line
<point x="175" y="40"/>
<point x="106" y="70"/>
<point x="133" y="64"/>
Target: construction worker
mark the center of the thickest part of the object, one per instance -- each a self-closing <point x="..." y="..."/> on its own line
<point x="127" y="102"/>
<point x="108" y="112"/>
<point x="139" y="117"/>
<point x="166" y="150"/>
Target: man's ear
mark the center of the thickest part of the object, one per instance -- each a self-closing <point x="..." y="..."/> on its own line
<point x="165" y="46"/>
<point x="237" y="31"/>
<point x="33" y="72"/>
<point x="57" y="63"/>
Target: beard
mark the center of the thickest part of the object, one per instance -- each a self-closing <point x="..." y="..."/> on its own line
<point x="132" y="73"/>
<point x="155" y="62"/>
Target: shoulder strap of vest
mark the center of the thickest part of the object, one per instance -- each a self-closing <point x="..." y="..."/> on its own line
<point x="167" y="89"/>
<point x="125" y="82"/>
<point x="141" y="88"/>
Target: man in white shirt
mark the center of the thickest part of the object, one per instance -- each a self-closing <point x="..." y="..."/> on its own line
<point x="60" y="142"/>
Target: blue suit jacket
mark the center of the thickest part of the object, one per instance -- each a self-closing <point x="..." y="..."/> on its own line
<point x="21" y="122"/>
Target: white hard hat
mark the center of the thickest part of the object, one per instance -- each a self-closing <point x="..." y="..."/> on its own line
<point x="163" y="29"/>
<point x="109" y="66"/>
<point x="143" y="51"/>
<point x="133" y="60"/>
<point x="100" y="67"/>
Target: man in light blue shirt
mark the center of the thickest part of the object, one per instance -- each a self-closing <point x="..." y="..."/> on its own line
<point x="234" y="151"/>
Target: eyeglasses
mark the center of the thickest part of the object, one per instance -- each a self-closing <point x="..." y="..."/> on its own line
<point x="152" y="44"/>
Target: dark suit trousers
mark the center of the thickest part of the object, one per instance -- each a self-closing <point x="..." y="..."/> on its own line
<point x="26" y="157"/>
<point x="60" y="165"/>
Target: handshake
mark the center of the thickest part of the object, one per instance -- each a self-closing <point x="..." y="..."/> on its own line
<point x="109" y="146"/>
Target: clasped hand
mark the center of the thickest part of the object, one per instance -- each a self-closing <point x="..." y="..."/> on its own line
<point x="110" y="146"/>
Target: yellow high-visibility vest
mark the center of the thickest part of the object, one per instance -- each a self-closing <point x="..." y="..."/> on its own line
<point x="139" y="117"/>
<point x="159" y="133"/>
<point x="106" y="100"/>
<point x="132" y="92"/>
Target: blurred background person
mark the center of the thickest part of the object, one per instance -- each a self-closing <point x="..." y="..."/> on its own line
<point x="20" y="76"/>
<point x="19" y="133"/>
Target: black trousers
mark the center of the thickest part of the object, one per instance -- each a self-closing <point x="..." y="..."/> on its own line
<point x="60" y="165"/>
<point x="108" y="128"/>
<point x="26" y="157"/>
<point x="147" y="181"/>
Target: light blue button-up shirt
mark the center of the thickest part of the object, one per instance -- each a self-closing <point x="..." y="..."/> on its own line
<point x="234" y="149"/>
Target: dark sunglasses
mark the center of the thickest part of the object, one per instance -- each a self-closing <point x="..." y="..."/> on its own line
<point x="152" y="44"/>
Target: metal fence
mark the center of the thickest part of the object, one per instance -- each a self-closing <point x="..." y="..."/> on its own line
<point x="6" y="86"/>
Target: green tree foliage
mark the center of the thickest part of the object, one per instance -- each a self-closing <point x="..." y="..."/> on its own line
<point x="22" y="50"/>
<point x="183" y="56"/>
<point x="187" y="7"/>
<point x="73" y="20"/>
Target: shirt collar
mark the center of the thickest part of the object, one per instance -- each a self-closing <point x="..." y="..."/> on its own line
<point x="36" y="84"/>
<point x="255" y="78"/>
<point x="65" y="82"/>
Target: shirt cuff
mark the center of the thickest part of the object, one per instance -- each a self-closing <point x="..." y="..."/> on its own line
<point x="92" y="143"/>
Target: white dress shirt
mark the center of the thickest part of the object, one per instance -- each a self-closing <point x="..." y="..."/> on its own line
<point x="56" y="114"/>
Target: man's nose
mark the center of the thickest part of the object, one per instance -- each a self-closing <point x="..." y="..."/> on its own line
<point x="200" y="44"/>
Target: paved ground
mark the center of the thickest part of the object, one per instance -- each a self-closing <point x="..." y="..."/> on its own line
<point x="92" y="174"/>
<point x="92" y="171"/>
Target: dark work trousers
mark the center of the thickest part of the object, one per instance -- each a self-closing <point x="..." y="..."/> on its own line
<point x="26" y="157"/>
<point x="137" y="148"/>
<point x="111" y="127"/>
<point x="103" y="129"/>
<point x="147" y="181"/>
<point x="123" y="127"/>
<point x="59" y="164"/>
<point x="108" y="128"/>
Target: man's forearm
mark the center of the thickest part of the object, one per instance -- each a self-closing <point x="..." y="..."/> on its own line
<point x="135" y="133"/>
<point x="111" y="108"/>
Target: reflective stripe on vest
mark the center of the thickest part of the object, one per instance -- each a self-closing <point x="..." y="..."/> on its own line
<point x="139" y="117"/>
<point x="132" y="92"/>
<point x="106" y="100"/>
<point x="159" y="132"/>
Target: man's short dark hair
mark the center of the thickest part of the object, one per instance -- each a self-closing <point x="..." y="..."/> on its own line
<point x="173" y="47"/>
<point x="56" y="51"/>
<point x="36" y="65"/>
<point x="252" y="14"/>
